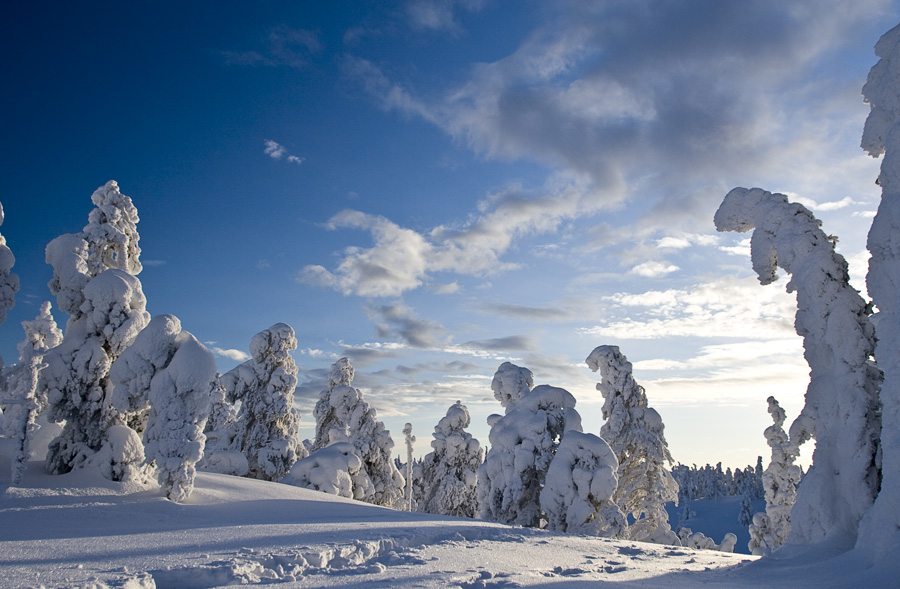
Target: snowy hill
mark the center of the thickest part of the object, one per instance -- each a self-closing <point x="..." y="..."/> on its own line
<point x="80" y="530"/>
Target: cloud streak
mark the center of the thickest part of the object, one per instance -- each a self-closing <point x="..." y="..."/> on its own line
<point x="276" y="151"/>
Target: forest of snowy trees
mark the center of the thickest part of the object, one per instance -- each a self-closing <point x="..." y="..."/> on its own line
<point x="139" y="397"/>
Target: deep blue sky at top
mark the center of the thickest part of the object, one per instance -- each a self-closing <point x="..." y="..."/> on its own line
<point x="584" y="145"/>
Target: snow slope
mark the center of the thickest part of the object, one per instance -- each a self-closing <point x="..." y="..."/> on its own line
<point x="79" y="530"/>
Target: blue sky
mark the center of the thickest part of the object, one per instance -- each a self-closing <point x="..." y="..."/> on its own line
<point x="433" y="187"/>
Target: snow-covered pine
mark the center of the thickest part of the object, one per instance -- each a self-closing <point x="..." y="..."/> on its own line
<point x="9" y="282"/>
<point x="523" y="443"/>
<point x="880" y="528"/>
<point x="842" y="408"/>
<point x="111" y="233"/>
<point x="577" y="497"/>
<point x="168" y="371"/>
<point x="343" y="415"/>
<point x="450" y="471"/>
<point x="267" y="424"/>
<point x="220" y="432"/>
<point x="23" y="401"/>
<point x="780" y="482"/>
<point x="635" y="433"/>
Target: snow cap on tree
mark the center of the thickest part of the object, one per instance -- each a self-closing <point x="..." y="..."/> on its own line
<point x="9" y="282"/>
<point x="842" y="406"/>
<point x="577" y="497"/>
<point x="510" y="383"/>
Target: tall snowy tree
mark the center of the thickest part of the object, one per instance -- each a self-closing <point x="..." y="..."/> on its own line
<point x="880" y="529"/>
<point x="577" y="497"/>
<point x="780" y="482"/>
<point x="635" y="433"/>
<point x="93" y="280"/>
<point x="267" y="424"/>
<point x="450" y="471"/>
<point x="408" y="488"/>
<point x="168" y="371"/>
<point x="523" y="443"/>
<point x="842" y="408"/>
<point x="343" y="415"/>
<point x="9" y="282"/>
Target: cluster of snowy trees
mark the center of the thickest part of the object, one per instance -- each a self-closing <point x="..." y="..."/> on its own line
<point x="709" y="482"/>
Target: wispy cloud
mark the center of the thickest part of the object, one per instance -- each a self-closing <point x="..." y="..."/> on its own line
<point x="438" y="15"/>
<point x="276" y="151"/>
<point x="282" y="46"/>
<point x="231" y="354"/>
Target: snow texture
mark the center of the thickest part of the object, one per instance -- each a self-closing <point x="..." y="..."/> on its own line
<point x="77" y="374"/>
<point x="267" y="424"/>
<point x="9" y="282"/>
<point x="523" y="443"/>
<point x="635" y="433"/>
<point x="450" y="471"/>
<point x="577" y="497"/>
<point x="169" y="371"/>
<point x="880" y="529"/>
<point x="342" y="415"/>
<point x="842" y="408"/>
<point x="769" y="530"/>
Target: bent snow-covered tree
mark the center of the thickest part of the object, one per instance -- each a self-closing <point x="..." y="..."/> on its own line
<point x="510" y="383"/>
<point x="842" y="409"/>
<point x="169" y="371"/>
<point x="343" y="415"/>
<point x="9" y="282"/>
<point x="523" y="443"/>
<point x="577" y="497"/>
<point x="770" y="530"/>
<point x="93" y="280"/>
<point x="880" y="529"/>
<point x="267" y="424"/>
<point x="450" y="472"/>
<point x="635" y="433"/>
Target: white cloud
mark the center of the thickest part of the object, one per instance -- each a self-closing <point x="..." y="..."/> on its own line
<point x="231" y="354"/>
<point x="654" y="269"/>
<point x="276" y="151"/>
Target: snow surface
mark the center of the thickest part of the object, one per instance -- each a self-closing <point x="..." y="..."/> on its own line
<point x="80" y="530"/>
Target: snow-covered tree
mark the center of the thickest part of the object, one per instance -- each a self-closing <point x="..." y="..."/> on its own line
<point x="168" y="371"/>
<point x="111" y="233"/>
<point x="523" y="443"/>
<point x="780" y="482"/>
<point x="577" y="497"/>
<point x="340" y="374"/>
<point x="267" y="424"/>
<point x="220" y="431"/>
<point x="9" y="282"/>
<point x="842" y="408"/>
<point x="635" y="433"/>
<point x="77" y="374"/>
<point x="23" y="401"/>
<point x="450" y="472"/>
<point x="880" y="530"/>
<point x="510" y="383"/>
<point x="336" y="469"/>
<point x="343" y="415"/>
<point x="410" y="440"/>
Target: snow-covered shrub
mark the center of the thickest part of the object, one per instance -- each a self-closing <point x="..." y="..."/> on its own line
<point x="523" y="443"/>
<point x="267" y="424"/>
<point x="577" y="497"/>
<point x="77" y="374"/>
<point x="342" y="415"/>
<point x="699" y="541"/>
<point x="122" y="458"/>
<point x="9" y="282"/>
<point x="880" y="529"/>
<point x="168" y="371"/>
<point x="780" y="481"/>
<point x="336" y="469"/>
<point x="450" y="472"/>
<point x="635" y="433"/>
<point x="842" y="408"/>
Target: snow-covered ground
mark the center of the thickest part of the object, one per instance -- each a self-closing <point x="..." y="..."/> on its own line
<point x="80" y="530"/>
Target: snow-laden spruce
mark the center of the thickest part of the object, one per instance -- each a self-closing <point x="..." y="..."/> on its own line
<point x="880" y="529"/>
<point x="267" y="425"/>
<point x="523" y="443"/>
<point x="343" y="415"/>
<point x="577" y="497"/>
<point x="9" y="282"/>
<point x="842" y="408"/>
<point x="221" y="429"/>
<point x="22" y="400"/>
<point x="769" y="530"/>
<point x="168" y="371"/>
<point x="450" y="471"/>
<point x="635" y="433"/>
